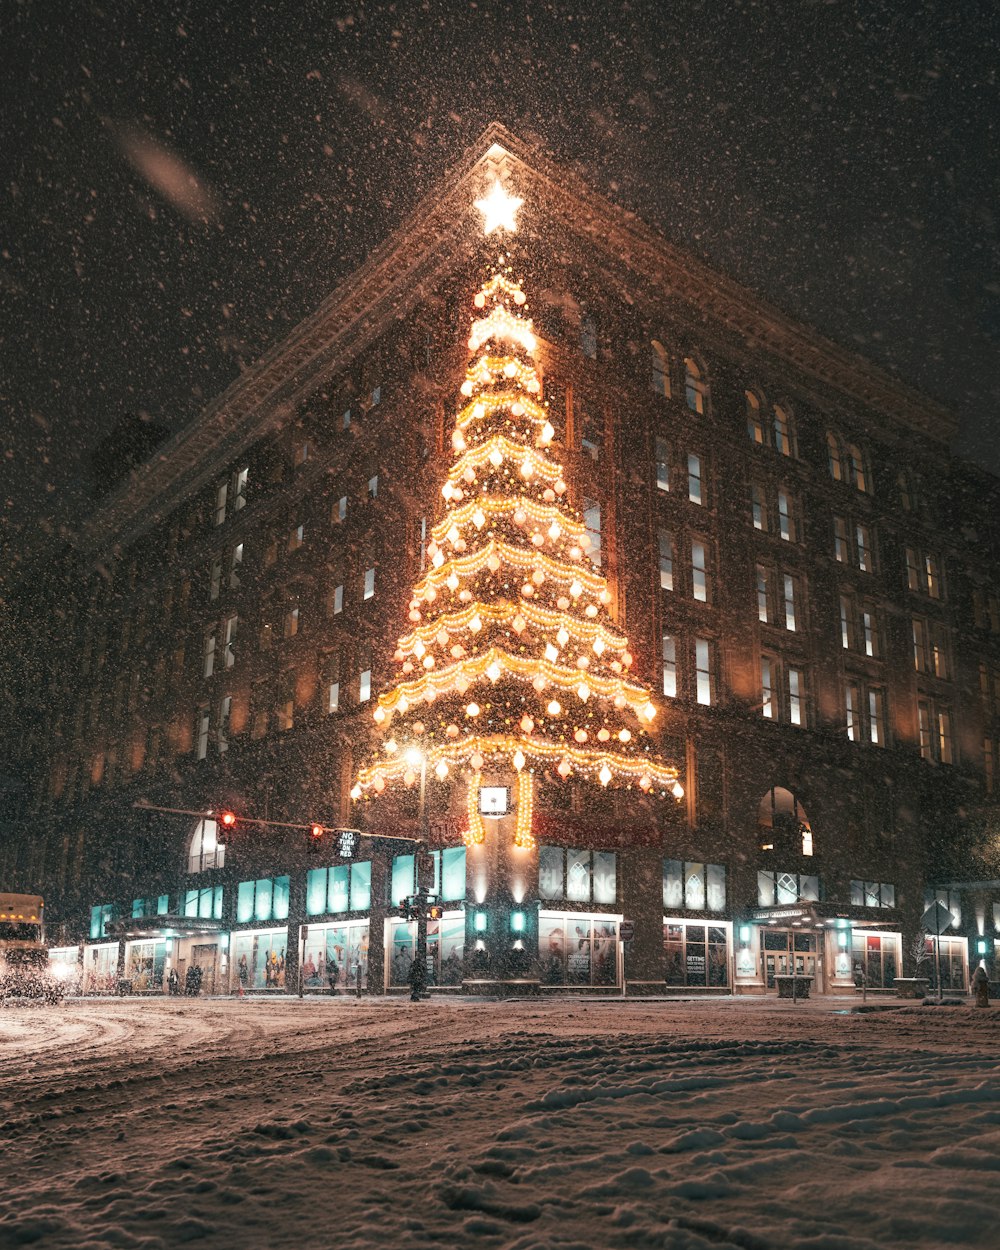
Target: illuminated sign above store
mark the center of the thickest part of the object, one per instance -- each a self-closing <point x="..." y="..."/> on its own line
<point x="494" y="801"/>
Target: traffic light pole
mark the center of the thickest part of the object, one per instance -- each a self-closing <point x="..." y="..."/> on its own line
<point x="420" y="958"/>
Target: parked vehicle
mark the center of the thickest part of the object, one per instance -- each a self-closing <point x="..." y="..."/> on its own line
<point x="24" y="957"/>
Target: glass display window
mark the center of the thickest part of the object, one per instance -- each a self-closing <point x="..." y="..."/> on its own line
<point x="100" y="969"/>
<point x="695" y="955"/>
<point x="577" y="950"/>
<point x="145" y="963"/>
<point x="445" y="950"/>
<point x="258" y="959"/>
<point x="332" y="955"/>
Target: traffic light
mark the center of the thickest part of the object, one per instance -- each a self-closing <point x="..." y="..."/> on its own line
<point x="316" y="832"/>
<point x="435" y="912"/>
<point x="224" y="827"/>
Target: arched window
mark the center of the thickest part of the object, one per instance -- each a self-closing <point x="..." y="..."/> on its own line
<point x="695" y="389"/>
<point x="755" y="422"/>
<point x="782" y="823"/>
<point x="204" y="851"/>
<point x="784" y="431"/>
<point x="859" y="476"/>
<point x="660" y="365"/>
<point x="833" y="457"/>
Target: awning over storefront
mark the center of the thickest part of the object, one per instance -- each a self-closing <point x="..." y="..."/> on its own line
<point x="807" y="912"/>
<point x="162" y="926"/>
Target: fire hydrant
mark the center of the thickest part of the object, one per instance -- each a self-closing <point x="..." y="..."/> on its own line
<point x="981" y="986"/>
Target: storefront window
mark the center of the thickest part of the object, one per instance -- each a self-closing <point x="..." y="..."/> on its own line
<point x="873" y="957"/>
<point x="205" y="903"/>
<point x="695" y="955"/>
<point x="449" y="873"/>
<point x="101" y="915"/>
<point x="258" y="959"/>
<point x="952" y="962"/>
<point x="402" y="883"/>
<point x="333" y="954"/>
<point x="445" y="950"/>
<point x="144" y="966"/>
<point x="693" y="886"/>
<point x="577" y="950"/>
<point x="100" y="969"/>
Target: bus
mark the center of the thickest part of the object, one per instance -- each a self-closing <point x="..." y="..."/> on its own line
<point x="24" y="957"/>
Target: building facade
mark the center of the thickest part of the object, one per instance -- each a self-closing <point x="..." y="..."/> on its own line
<point x="808" y="580"/>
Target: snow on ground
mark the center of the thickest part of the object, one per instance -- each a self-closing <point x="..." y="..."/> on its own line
<point x="540" y="1126"/>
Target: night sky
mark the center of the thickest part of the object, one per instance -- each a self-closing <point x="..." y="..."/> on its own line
<point x="184" y="181"/>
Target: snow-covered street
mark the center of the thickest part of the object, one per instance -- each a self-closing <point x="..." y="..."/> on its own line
<point x="556" y="1124"/>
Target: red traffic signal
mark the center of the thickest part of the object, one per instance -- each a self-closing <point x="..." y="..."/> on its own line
<point x="316" y="831"/>
<point x="226" y="824"/>
<point x="228" y="819"/>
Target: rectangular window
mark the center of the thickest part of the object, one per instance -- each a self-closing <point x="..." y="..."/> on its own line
<point x="872" y="894"/>
<point x="945" y="745"/>
<point x="215" y="578"/>
<point x="591" y="431"/>
<point x="373" y="486"/>
<point x="403" y="879"/>
<point x="333" y="696"/>
<point x="782" y="431"/>
<point x="876" y="717"/>
<point x="796" y="694"/>
<point x="695" y="492"/>
<point x="763" y="613"/>
<point x="863" y="542"/>
<point x="939" y="651"/>
<point x="208" y="653"/>
<point x="345" y="420"/>
<point x="364" y="685"/>
<point x="221" y="495"/>
<point x="852" y="709"/>
<point x="291" y="623"/>
<point x="670" y="666"/>
<point x="229" y="639"/>
<point x="235" y="562"/>
<point x="913" y="579"/>
<point x="339" y="510"/>
<point x="662" y="464"/>
<point x="700" y="580"/>
<point x="368" y="589"/>
<point x="376" y="397"/>
<point x="201" y="727"/>
<point x="870" y="631"/>
<point x="789" y="596"/>
<point x="846" y="622"/>
<point x="222" y="729"/>
<point x="296" y="537"/>
<point x="693" y="886"/>
<point x="592" y="522"/>
<point x="924" y="723"/>
<point x="767" y="689"/>
<point x="666" y="544"/>
<point x="932" y="568"/>
<point x="300" y="454"/>
<point x="920" y="648"/>
<point x="840" y="539"/>
<point x="337" y="600"/>
<point x="786" y="520"/>
<point x="240" y="488"/>
<point x="286" y="705"/>
<point x="705" y="678"/>
<point x="578" y="876"/>
<point x="758" y="509"/>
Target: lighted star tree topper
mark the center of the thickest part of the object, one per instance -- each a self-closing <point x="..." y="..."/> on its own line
<point x="513" y="662"/>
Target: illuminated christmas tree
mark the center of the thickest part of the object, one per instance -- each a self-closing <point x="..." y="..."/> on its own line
<point x="513" y="663"/>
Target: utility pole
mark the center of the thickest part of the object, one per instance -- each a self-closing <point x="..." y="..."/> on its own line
<point x="420" y="956"/>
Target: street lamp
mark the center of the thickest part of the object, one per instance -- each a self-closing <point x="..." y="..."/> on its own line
<point x="416" y="758"/>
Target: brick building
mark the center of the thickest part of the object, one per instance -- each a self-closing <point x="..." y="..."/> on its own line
<point x="808" y="580"/>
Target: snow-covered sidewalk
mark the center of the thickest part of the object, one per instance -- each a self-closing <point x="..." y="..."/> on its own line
<point x="746" y="1124"/>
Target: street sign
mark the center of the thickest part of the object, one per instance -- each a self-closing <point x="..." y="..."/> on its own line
<point x="347" y="843"/>
<point x="626" y="930"/>
<point x="937" y="918"/>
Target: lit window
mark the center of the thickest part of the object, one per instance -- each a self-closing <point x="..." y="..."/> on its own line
<point x="221" y="495"/>
<point x="912" y="569"/>
<point x="660" y="376"/>
<point x="700" y="585"/>
<point x="694" y="479"/>
<point x="670" y="666"/>
<point x="208" y="653"/>
<point x="666" y="560"/>
<point x="662" y="464"/>
<point x="833" y="457"/>
<point x="235" y="561"/>
<point x="333" y="696"/>
<point x="373" y="487"/>
<point x="705" y="680"/>
<point x="204" y="851"/>
<point x="863" y="541"/>
<point x="694" y="386"/>
<point x="939" y="651"/>
<point x="762" y="594"/>
<point x="786" y="521"/>
<point x="767" y="689"/>
<point x="784" y="439"/>
<point x="291" y="623"/>
<point x="222" y="731"/>
<point x="870" y="631"/>
<point x="795" y="697"/>
<point x="933" y="572"/>
<point x="369" y="584"/>
<point x="340" y="509"/>
<point x="376" y="396"/>
<point x="924" y="722"/>
<point x="337" y="600"/>
<point x="846" y="622"/>
<point x="296" y="537"/>
<point x="229" y="638"/>
<point x="365" y="685"/>
<point x="945" y="748"/>
<point x="240" y="488"/>
<point x="852" y="708"/>
<point x="788" y="586"/>
<point x="345" y="420"/>
<point x="755" y="425"/>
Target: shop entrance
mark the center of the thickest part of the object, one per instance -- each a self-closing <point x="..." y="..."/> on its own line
<point x="206" y="958"/>
<point x="787" y="951"/>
